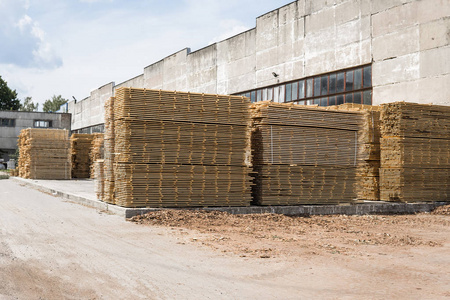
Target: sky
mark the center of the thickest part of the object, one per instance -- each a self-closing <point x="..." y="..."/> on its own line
<point x="71" y="47"/>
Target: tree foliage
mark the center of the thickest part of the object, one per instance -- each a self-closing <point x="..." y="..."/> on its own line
<point x="8" y="97"/>
<point x="28" y="105"/>
<point x="54" y="104"/>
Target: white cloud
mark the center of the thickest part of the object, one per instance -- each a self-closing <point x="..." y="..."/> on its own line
<point x="23" y="40"/>
<point x="111" y="42"/>
<point x="24" y="22"/>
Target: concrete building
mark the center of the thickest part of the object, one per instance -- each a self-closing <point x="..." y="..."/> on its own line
<point x="321" y="52"/>
<point x="12" y="122"/>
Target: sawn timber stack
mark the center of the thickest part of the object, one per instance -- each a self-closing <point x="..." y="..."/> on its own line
<point x="367" y="174"/>
<point x="304" y="154"/>
<point x="174" y="149"/>
<point x="80" y="145"/>
<point x="415" y="152"/>
<point x="44" y="154"/>
<point x="97" y="151"/>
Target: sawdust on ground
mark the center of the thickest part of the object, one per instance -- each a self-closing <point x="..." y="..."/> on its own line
<point x="273" y="235"/>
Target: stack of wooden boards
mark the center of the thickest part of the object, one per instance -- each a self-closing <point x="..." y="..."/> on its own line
<point x="108" y="174"/>
<point x="96" y="151"/>
<point x="44" y="154"/>
<point x="80" y="144"/>
<point x="304" y="154"/>
<point x="415" y="152"/>
<point x="367" y="179"/>
<point x="174" y="149"/>
<point x="99" y="171"/>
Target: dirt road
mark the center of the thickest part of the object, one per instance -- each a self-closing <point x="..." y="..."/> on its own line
<point x="51" y="249"/>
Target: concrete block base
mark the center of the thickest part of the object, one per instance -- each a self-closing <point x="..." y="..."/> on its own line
<point x="65" y="189"/>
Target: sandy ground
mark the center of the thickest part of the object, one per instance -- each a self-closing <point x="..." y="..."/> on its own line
<point x="51" y="249"/>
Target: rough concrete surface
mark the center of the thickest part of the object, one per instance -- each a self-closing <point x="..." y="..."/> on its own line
<point x="82" y="192"/>
<point x="53" y="249"/>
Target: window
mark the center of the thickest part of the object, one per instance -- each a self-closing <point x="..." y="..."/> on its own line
<point x="289" y="92"/>
<point x="349" y="81"/>
<point x="301" y="89"/>
<point x="42" y="124"/>
<point x="253" y="96"/>
<point x="367" y="77"/>
<point x="332" y="83"/>
<point x="295" y="88"/>
<point x="309" y="88"/>
<point x="324" y="85"/>
<point x="346" y="86"/>
<point x="340" y="82"/>
<point x="7" y="122"/>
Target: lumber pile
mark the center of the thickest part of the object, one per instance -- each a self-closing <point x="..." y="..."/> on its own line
<point x="174" y="149"/>
<point x="304" y="154"/>
<point x="96" y="151"/>
<point x="367" y="179"/>
<point x="108" y="176"/>
<point x="44" y="154"/>
<point x="80" y="145"/>
<point x="415" y="152"/>
<point x="99" y="173"/>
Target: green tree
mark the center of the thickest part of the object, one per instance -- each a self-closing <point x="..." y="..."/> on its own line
<point x="54" y="104"/>
<point x="28" y="105"/>
<point x="8" y="97"/>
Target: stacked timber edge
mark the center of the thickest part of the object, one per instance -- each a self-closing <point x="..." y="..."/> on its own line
<point x="367" y="173"/>
<point x="175" y="149"/>
<point x="304" y="154"/>
<point x="80" y="145"/>
<point x="99" y="174"/>
<point x="108" y="163"/>
<point x="415" y="152"/>
<point x="97" y="151"/>
<point x="44" y="154"/>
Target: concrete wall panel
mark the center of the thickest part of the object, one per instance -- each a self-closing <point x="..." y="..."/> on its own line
<point x="318" y="21"/>
<point x="266" y="31"/>
<point x="312" y="6"/>
<point x="348" y="11"/>
<point x="395" y="19"/>
<point x="402" y="91"/>
<point x="435" y="90"/>
<point x="435" y="62"/>
<point x="382" y="5"/>
<point x="354" y="54"/>
<point x="404" y="68"/>
<point x="430" y="10"/>
<point x="154" y="75"/>
<point x="435" y="34"/>
<point x="136" y="82"/>
<point x="396" y="44"/>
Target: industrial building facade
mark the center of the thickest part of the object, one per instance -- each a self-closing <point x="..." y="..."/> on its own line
<point x="314" y="52"/>
<point x="12" y="122"/>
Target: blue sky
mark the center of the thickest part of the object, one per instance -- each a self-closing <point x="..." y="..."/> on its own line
<point x="70" y="47"/>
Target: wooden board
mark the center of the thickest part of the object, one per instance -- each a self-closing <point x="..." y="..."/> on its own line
<point x="96" y="151"/>
<point x="294" y="185"/>
<point x="173" y="149"/>
<point x="99" y="171"/>
<point x="44" y="154"/>
<point x="80" y="145"/>
<point x="415" y="152"/>
<point x="174" y="185"/>
<point x="304" y="155"/>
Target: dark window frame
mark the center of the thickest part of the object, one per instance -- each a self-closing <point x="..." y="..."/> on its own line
<point x="7" y="122"/>
<point x="309" y="94"/>
<point x="47" y="124"/>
